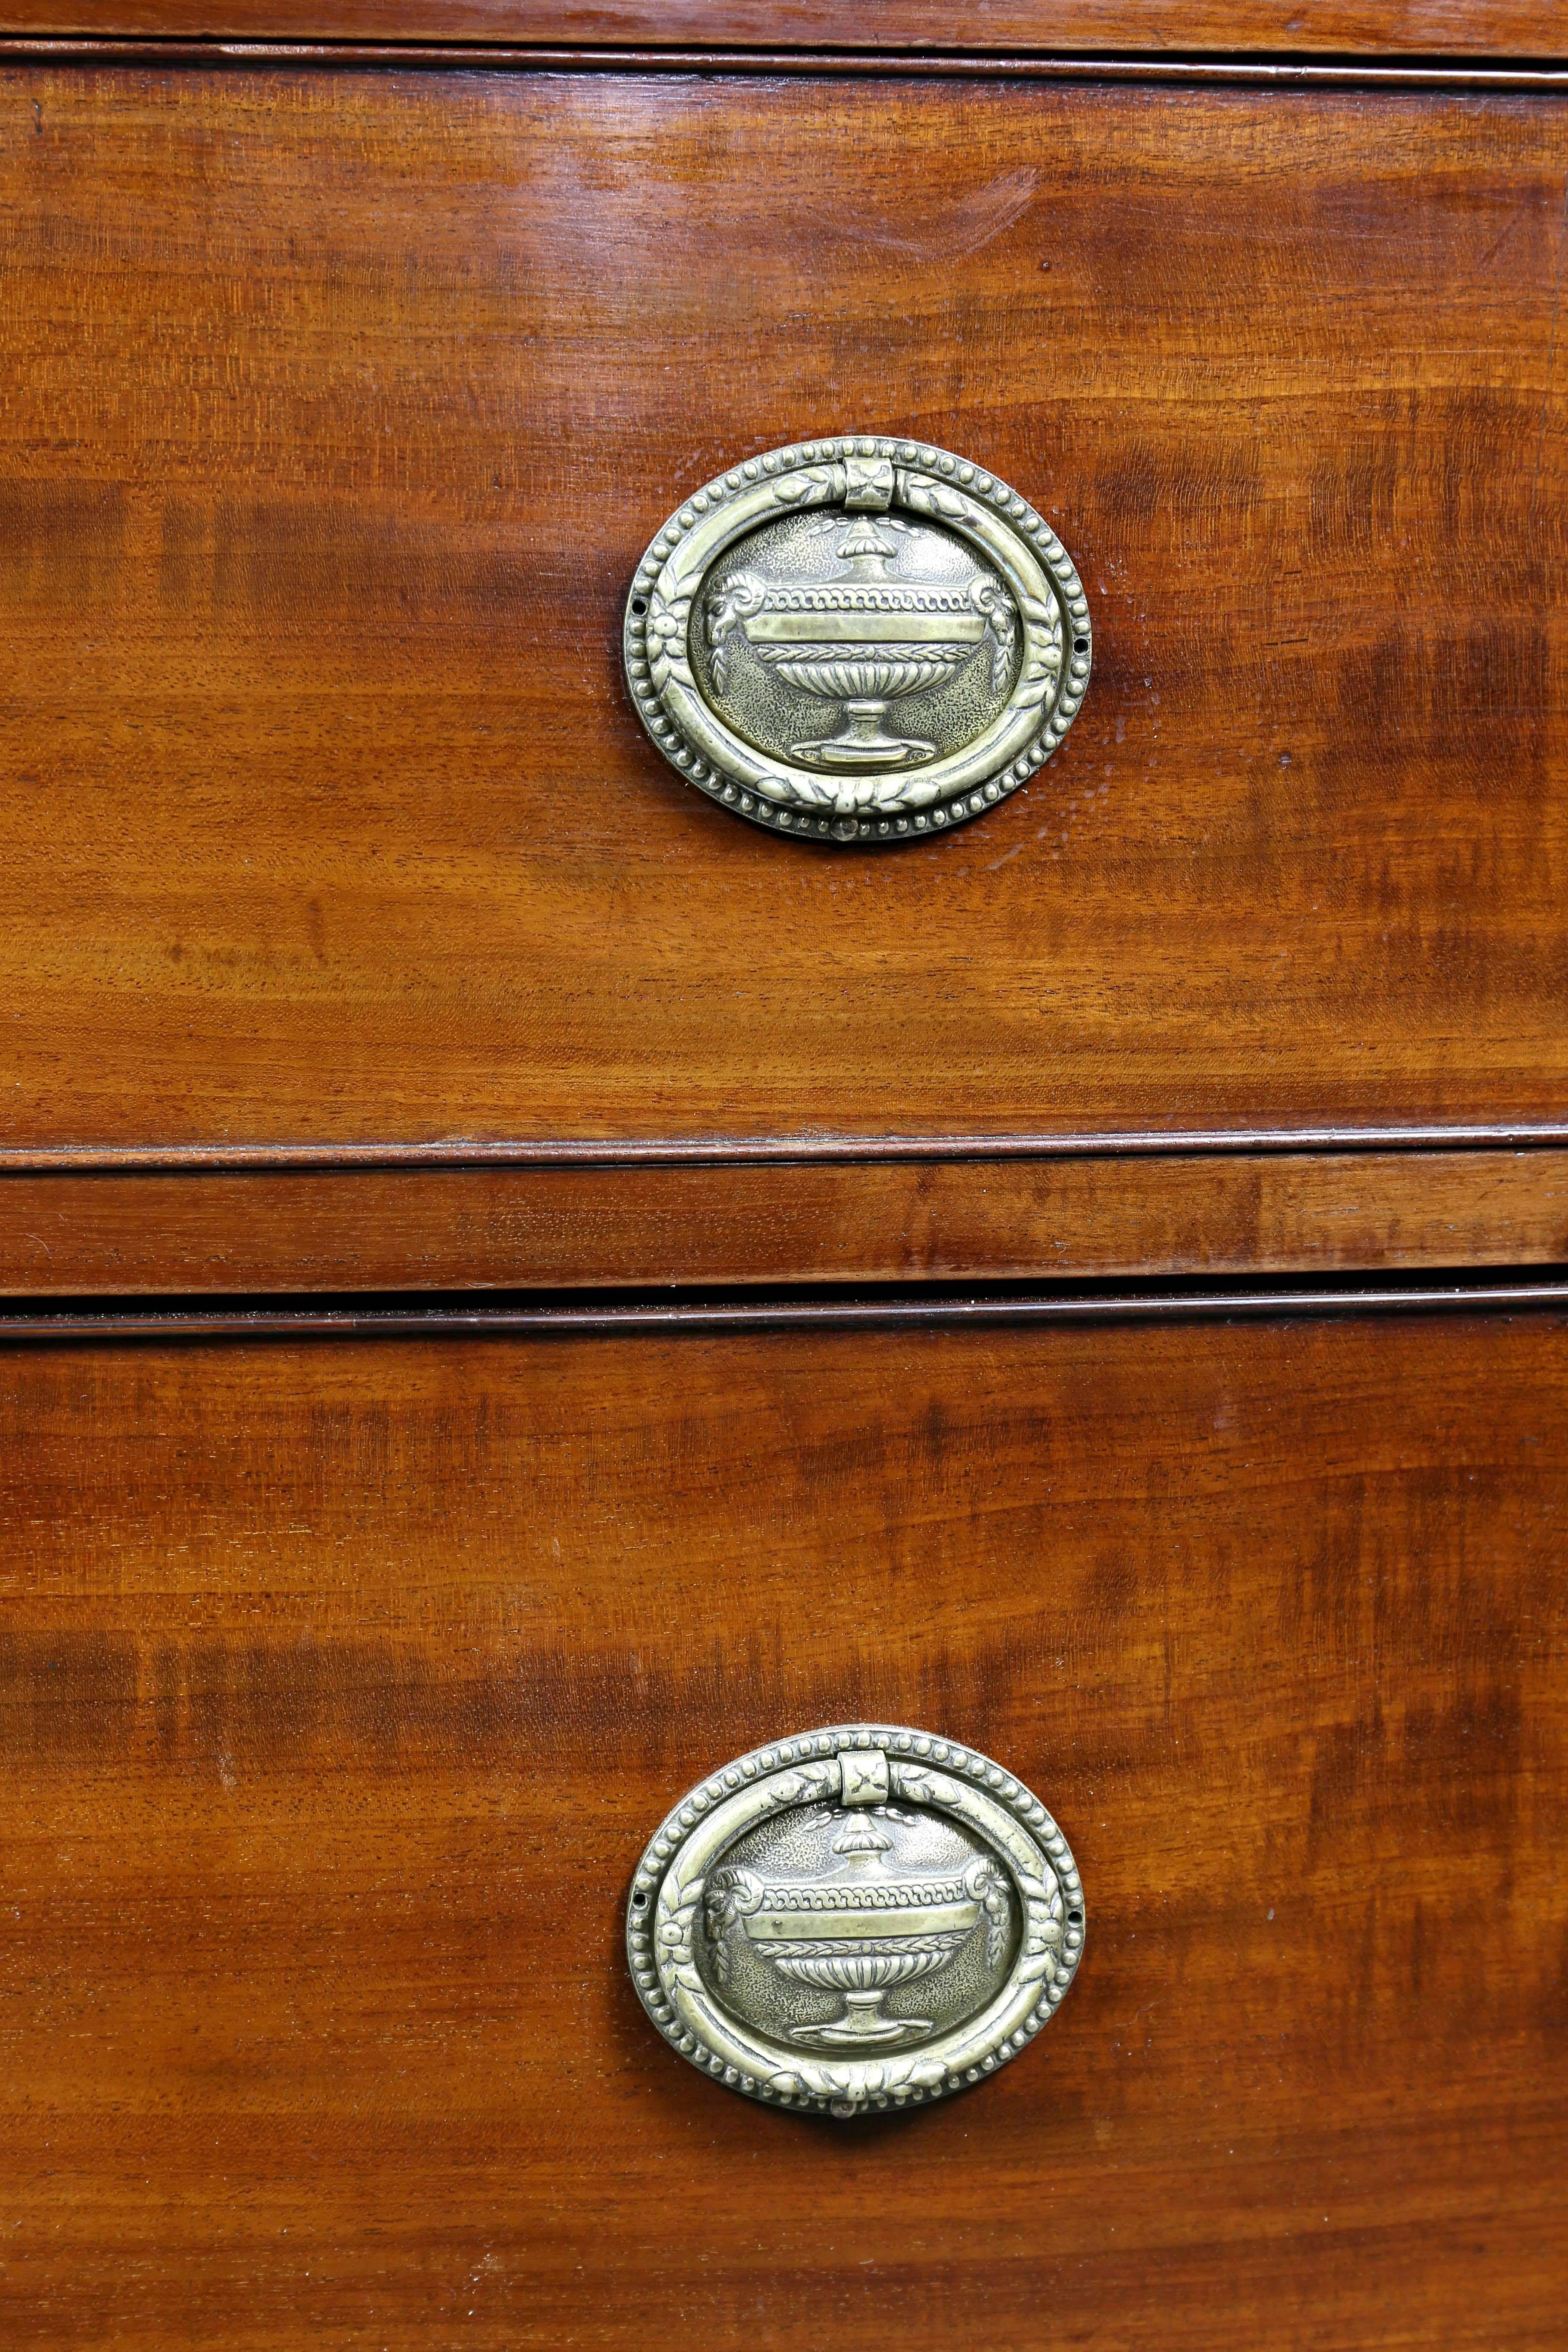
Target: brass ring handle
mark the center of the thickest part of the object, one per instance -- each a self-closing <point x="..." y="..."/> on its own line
<point x="797" y="1908"/>
<point x="860" y="639"/>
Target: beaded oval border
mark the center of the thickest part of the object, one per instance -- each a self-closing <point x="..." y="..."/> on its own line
<point x="850" y="2087"/>
<point x="736" y="792"/>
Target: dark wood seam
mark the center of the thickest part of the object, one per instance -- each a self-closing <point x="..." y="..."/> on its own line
<point x="652" y="1321"/>
<point x="770" y="1150"/>
<point x="1512" y="78"/>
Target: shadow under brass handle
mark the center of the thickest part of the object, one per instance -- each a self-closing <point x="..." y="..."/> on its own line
<point x="860" y="1918"/>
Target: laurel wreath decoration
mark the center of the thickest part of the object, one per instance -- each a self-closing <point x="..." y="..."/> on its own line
<point x="737" y="600"/>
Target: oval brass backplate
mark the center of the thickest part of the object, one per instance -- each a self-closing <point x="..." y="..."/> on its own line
<point x="861" y="639"/>
<point x="860" y="1918"/>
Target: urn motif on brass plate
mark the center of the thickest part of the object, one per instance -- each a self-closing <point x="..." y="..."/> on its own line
<point x="858" y="1917"/>
<point x="861" y="639"/>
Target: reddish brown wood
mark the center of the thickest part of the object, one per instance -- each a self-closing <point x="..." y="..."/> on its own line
<point x="444" y="1229"/>
<point x="342" y="405"/>
<point x="342" y="1683"/>
<point x="1436" y="27"/>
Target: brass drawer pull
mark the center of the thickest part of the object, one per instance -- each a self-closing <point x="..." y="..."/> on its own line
<point x="798" y="1907"/>
<point x="858" y="640"/>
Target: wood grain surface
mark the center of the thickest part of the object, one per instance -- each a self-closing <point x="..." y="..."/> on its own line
<point x="1433" y="27"/>
<point x="340" y="1684"/>
<point x="561" y="1228"/>
<point x="342" y="405"/>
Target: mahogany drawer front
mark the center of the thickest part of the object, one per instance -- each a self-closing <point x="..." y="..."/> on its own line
<point x="346" y="402"/>
<point x="343" y="1679"/>
<point x="866" y="1219"/>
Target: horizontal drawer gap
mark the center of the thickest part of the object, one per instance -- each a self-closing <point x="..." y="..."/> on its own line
<point x="577" y="1318"/>
<point x="803" y="1149"/>
<point x="1507" y="76"/>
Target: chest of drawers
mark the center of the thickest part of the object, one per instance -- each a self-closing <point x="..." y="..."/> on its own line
<point x="523" y="1287"/>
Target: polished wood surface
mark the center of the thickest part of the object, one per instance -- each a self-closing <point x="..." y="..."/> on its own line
<point x="354" y="939"/>
<point x="342" y="405"/>
<point x="584" y="1227"/>
<point x="340" y="1684"/>
<point x="1527" y="28"/>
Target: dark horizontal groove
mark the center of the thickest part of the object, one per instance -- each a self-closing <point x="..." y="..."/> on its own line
<point x="645" y="1320"/>
<point x="1290" y="71"/>
<point x="780" y="1150"/>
